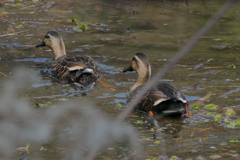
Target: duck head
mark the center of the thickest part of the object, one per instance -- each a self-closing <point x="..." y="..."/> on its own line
<point x="140" y="63"/>
<point x="54" y="41"/>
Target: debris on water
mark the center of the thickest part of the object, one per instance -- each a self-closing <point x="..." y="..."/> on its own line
<point x="133" y="18"/>
<point x="6" y="21"/>
<point x="230" y="112"/>
<point x="207" y="72"/>
<point x="67" y="130"/>
<point x="77" y="50"/>
<point x="36" y="22"/>
<point x="229" y="92"/>
<point x="43" y="149"/>
<point x="23" y="158"/>
<point x="106" y="39"/>
<point x="48" y="5"/>
<point x="11" y="34"/>
<point x="235" y="140"/>
<point x="200" y="158"/>
<point x="220" y="47"/>
<point x="215" y="156"/>
<point x="139" y="122"/>
<point x="218" y="39"/>
<point x="232" y="66"/>
<point x="22" y="150"/>
<point x="198" y="66"/>
<point x="99" y="25"/>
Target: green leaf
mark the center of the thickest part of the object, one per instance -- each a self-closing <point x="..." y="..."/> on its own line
<point x="139" y="122"/>
<point x="231" y="66"/>
<point x="232" y="124"/>
<point x="213" y="108"/>
<point x="208" y="113"/>
<point x="230" y="112"/>
<point x="210" y="105"/>
<point x="235" y="140"/>
<point x="40" y="104"/>
<point x="74" y="19"/>
<point x="217" y="39"/>
<point x="152" y="129"/>
<point x="217" y="117"/>
<point x="145" y="138"/>
<point x="157" y="142"/>
<point x="118" y="105"/>
<point x="83" y="27"/>
<point x="195" y="107"/>
<point x="238" y="122"/>
<point x="42" y="148"/>
<point x="155" y="158"/>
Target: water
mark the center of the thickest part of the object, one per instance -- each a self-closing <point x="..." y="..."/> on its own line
<point x="116" y="31"/>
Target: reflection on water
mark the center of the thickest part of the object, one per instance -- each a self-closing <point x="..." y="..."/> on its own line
<point x="116" y="31"/>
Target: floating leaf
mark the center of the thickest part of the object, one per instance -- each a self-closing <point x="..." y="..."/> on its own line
<point x="118" y="105"/>
<point x="63" y="99"/>
<point x="210" y="105"/>
<point x="231" y="66"/>
<point x="157" y="142"/>
<point x="232" y="124"/>
<point x="208" y="113"/>
<point x="145" y="138"/>
<point x="39" y="104"/>
<point x="235" y="140"/>
<point x="139" y="122"/>
<point x="213" y="108"/>
<point x="173" y="158"/>
<point x="195" y="107"/>
<point x="215" y="156"/>
<point x="230" y="112"/>
<point x="238" y="122"/>
<point x="83" y="27"/>
<point x="217" y="117"/>
<point x="155" y="158"/>
<point x="217" y="39"/>
<point x="43" y="149"/>
<point x="74" y="19"/>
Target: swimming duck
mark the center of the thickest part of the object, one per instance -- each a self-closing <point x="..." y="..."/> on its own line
<point x="163" y="99"/>
<point x="81" y="70"/>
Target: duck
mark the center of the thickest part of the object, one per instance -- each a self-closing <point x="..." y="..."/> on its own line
<point x="79" y="70"/>
<point x="162" y="99"/>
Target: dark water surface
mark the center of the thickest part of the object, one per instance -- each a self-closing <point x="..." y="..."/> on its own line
<point x="116" y="31"/>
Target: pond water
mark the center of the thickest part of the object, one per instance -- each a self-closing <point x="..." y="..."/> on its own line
<point x="116" y="31"/>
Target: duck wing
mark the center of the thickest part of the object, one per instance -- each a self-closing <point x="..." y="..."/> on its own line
<point x="160" y="98"/>
<point x="80" y="69"/>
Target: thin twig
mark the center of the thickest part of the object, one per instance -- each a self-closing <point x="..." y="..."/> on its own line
<point x="11" y="34"/>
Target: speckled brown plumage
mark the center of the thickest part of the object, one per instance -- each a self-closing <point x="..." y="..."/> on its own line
<point x="61" y="71"/>
<point x="81" y="70"/>
<point x="163" y="99"/>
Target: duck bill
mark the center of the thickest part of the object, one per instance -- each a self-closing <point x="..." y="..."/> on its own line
<point x="40" y="45"/>
<point x="127" y="69"/>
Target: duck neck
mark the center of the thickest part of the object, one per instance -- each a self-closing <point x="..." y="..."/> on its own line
<point x="59" y="48"/>
<point x="143" y="78"/>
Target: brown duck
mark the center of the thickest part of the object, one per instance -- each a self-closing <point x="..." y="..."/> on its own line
<point x="163" y="99"/>
<point x="81" y="70"/>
